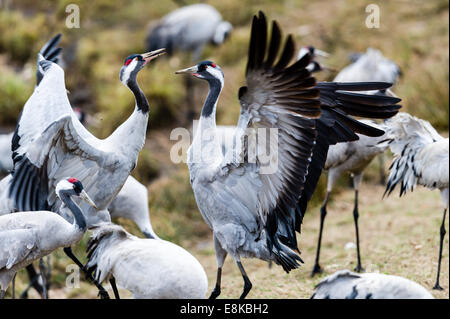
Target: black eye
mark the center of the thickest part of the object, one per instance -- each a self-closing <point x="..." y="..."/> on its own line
<point x="77" y="187"/>
<point x="202" y="67"/>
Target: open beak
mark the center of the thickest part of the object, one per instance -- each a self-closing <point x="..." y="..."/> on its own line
<point x="86" y="197"/>
<point x="321" y="53"/>
<point x="191" y="70"/>
<point x="153" y="55"/>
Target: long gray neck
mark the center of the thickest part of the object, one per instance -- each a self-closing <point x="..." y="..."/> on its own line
<point x="141" y="100"/>
<point x="80" y="220"/>
<point x="215" y="86"/>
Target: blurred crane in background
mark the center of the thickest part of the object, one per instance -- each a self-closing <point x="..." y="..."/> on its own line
<point x="371" y="66"/>
<point x="189" y="29"/>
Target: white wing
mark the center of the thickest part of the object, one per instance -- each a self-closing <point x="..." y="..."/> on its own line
<point x="15" y="246"/>
<point x="421" y="154"/>
<point x="50" y="143"/>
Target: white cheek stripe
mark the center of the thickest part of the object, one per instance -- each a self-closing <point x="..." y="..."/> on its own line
<point x="128" y="70"/>
<point x="216" y="73"/>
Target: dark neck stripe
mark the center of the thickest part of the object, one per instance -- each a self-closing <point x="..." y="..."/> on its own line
<point x="214" y="91"/>
<point x="141" y="100"/>
<point x="76" y="211"/>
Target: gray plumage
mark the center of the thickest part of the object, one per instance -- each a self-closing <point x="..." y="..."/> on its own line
<point x="50" y="142"/>
<point x="252" y="205"/>
<point x="421" y="158"/>
<point x="189" y="29"/>
<point x="29" y="236"/>
<point x="149" y="268"/>
<point x="132" y="203"/>
<point x="353" y="158"/>
<point x="6" y="162"/>
<point x="370" y="66"/>
<point x="345" y="284"/>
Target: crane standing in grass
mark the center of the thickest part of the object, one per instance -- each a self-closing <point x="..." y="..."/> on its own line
<point x="421" y="157"/>
<point x="253" y="207"/>
<point x="353" y="158"/>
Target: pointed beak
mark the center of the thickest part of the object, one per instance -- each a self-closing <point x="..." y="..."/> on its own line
<point x="86" y="197"/>
<point x="321" y="53"/>
<point x="191" y="70"/>
<point x="152" y="55"/>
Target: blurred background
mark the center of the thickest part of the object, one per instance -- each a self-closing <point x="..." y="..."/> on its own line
<point x="413" y="33"/>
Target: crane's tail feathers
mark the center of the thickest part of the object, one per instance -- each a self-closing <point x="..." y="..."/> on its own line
<point x="286" y="257"/>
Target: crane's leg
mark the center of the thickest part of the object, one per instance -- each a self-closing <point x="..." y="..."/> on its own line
<point x="381" y="169"/>
<point x="2" y="294"/>
<point x="356" y="182"/>
<point x="436" y="285"/>
<point x="112" y="281"/>
<point x="34" y="282"/>
<point x="101" y="291"/>
<point x="323" y="213"/>
<point x="247" y="282"/>
<point x="333" y="176"/>
<point x="221" y="254"/>
<point x="44" y="280"/>
<point x="14" y="287"/>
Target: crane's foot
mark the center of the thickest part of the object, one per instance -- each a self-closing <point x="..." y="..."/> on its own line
<point x="103" y="294"/>
<point x="359" y="268"/>
<point x="437" y="287"/>
<point x="316" y="270"/>
<point x="215" y="293"/>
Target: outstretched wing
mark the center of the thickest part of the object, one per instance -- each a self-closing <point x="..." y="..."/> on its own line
<point x="48" y="130"/>
<point x="288" y="99"/>
<point x="50" y="53"/>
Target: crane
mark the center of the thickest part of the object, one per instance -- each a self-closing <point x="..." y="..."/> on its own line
<point x="353" y="158"/>
<point x="149" y="268"/>
<point x="371" y="66"/>
<point x="255" y="209"/>
<point x="189" y="29"/>
<point x="50" y="142"/>
<point x="345" y="284"/>
<point x="29" y="236"/>
<point x="421" y="158"/>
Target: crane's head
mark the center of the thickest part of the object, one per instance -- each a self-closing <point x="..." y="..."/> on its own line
<point x="73" y="187"/>
<point x="222" y="32"/>
<point x="205" y="70"/>
<point x="135" y="62"/>
<point x="313" y="52"/>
